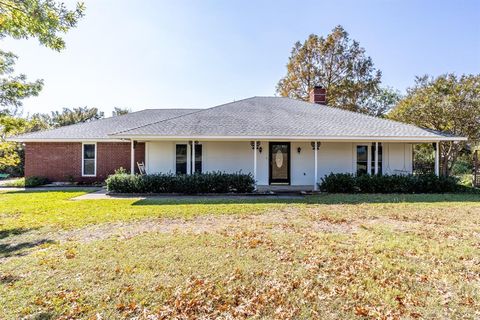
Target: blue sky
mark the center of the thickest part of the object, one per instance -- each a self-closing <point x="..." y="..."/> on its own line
<point x="183" y="54"/>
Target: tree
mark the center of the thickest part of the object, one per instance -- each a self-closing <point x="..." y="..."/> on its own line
<point x="11" y="154"/>
<point x="447" y="103"/>
<point x="14" y="88"/>
<point x="45" y="20"/>
<point x="69" y="116"/>
<point x="381" y="102"/>
<point x="48" y="21"/>
<point x="338" y="64"/>
<point x="119" y="111"/>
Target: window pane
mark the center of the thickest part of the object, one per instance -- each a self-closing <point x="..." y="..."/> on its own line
<point x="181" y="159"/>
<point x="362" y="160"/>
<point x="362" y="153"/>
<point x="88" y="151"/>
<point x="89" y="167"/>
<point x="198" y="158"/>
<point x="361" y="168"/>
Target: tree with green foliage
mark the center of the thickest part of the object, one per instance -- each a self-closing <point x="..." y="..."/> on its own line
<point x="14" y="88"/>
<point x="11" y="154"/>
<point x="45" y="20"/>
<point x="69" y="116"/>
<point x="120" y="111"/>
<point x="447" y="103"/>
<point x="338" y="64"/>
<point x="48" y="21"/>
<point x="382" y="101"/>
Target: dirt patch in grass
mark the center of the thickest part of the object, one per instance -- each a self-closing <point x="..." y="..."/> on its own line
<point x="288" y="220"/>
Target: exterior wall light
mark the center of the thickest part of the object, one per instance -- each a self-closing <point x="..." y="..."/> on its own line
<point x="313" y="145"/>
<point x="299" y="149"/>
<point x="258" y="145"/>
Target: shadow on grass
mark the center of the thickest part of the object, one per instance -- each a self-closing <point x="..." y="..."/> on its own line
<point x="12" y="246"/>
<point x="9" y="250"/>
<point x="314" y="199"/>
<point x="14" y="232"/>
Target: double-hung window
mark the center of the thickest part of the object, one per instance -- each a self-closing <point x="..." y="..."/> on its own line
<point x="362" y="160"/>
<point x="198" y="158"/>
<point x="89" y="159"/>
<point x="181" y="159"/>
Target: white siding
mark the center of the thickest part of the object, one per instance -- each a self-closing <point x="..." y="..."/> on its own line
<point x="237" y="156"/>
<point x="398" y="158"/>
<point x="335" y="157"/>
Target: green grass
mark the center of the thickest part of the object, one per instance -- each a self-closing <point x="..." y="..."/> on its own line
<point x="329" y="257"/>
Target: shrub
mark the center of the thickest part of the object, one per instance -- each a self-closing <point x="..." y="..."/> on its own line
<point x="426" y="183"/>
<point x="28" y="182"/>
<point x="212" y="182"/>
<point x="338" y="183"/>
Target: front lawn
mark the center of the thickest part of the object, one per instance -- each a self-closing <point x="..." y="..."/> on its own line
<point x="329" y="256"/>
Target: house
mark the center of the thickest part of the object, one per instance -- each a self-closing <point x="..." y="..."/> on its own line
<point x="280" y="141"/>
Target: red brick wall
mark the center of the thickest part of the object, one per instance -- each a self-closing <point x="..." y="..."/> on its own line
<point x="62" y="161"/>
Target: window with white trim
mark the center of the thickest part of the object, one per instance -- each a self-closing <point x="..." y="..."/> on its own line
<point x="89" y="159"/>
<point x="181" y="159"/>
<point x="362" y="160"/>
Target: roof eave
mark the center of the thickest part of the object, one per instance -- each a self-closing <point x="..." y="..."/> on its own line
<point x="20" y="139"/>
<point x="298" y="138"/>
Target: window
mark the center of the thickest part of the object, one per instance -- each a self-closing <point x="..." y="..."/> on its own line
<point x="380" y="151"/>
<point x="362" y="160"/>
<point x="181" y="159"/>
<point x="89" y="159"/>
<point x="198" y="158"/>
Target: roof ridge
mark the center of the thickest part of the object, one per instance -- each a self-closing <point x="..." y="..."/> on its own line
<point x="180" y="116"/>
<point x="366" y="115"/>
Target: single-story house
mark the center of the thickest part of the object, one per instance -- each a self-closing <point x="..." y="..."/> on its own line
<point x="280" y="141"/>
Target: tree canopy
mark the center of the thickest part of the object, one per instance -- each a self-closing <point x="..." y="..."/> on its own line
<point x="120" y="111"/>
<point x="68" y="116"/>
<point x="14" y="88"/>
<point x="46" y="20"/>
<point x="340" y="65"/>
<point x="446" y="103"/>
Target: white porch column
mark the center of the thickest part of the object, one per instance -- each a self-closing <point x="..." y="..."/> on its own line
<point x="255" y="162"/>
<point x="376" y="158"/>
<point x="437" y="158"/>
<point x="132" y="157"/>
<point x="193" y="156"/>
<point x="315" y="152"/>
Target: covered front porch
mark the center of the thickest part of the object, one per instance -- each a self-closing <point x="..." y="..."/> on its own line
<point x="279" y="164"/>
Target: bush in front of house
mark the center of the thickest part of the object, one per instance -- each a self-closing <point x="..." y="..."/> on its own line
<point x="426" y="183"/>
<point x="211" y="182"/>
<point x="28" y="182"/>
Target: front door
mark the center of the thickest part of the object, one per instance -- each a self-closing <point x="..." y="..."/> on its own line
<point x="279" y="156"/>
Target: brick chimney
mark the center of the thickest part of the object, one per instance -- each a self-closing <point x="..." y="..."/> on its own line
<point x="318" y="95"/>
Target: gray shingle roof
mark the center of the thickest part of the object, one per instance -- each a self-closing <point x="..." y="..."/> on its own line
<point x="277" y="116"/>
<point x="99" y="129"/>
<point x="252" y="117"/>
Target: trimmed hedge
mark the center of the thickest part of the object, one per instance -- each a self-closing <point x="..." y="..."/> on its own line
<point x="212" y="182"/>
<point x="426" y="183"/>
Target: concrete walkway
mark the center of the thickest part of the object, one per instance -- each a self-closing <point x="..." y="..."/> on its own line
<point x="103" y="195"/>
<point x="50" y="188"/>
